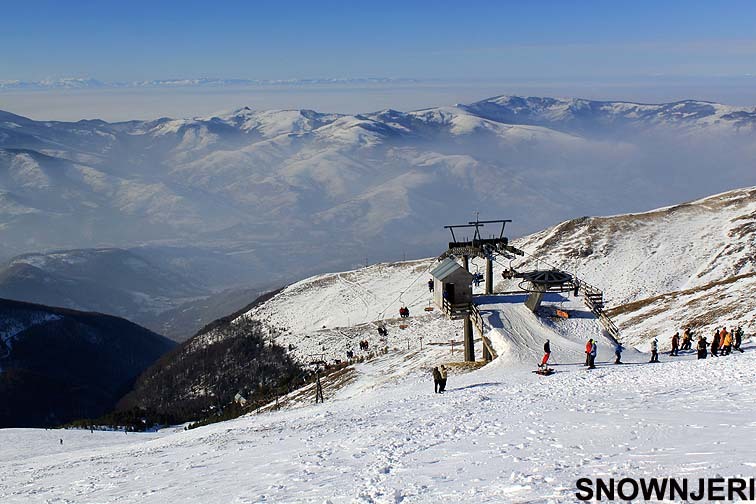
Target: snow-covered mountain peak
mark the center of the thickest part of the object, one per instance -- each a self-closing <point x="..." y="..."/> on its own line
<point x="577" y="114"/>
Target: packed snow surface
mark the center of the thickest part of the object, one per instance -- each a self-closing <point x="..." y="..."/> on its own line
<point x="498" y="434"/>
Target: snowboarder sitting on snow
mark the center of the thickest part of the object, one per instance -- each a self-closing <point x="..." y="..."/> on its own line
<point x="588" y="347"/>
<point x="701" y="347"/>
<point x="675" y="344"/>
<point x="594" y="351"/>
<point x="436" y="380"/>
<point x="443" y="372"/>
<point x="546" y="353"/>
<point x="654" y="351"/>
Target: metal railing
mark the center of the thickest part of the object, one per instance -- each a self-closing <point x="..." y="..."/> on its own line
<point x="477" y="320"/>
<point x="593" y="297"/>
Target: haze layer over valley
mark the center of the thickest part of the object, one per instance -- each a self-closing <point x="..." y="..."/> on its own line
<point x="277" y="193"/>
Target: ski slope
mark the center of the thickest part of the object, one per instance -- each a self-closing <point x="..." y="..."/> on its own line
<point x="326" y="315"/>
<point x="498" y="434"/>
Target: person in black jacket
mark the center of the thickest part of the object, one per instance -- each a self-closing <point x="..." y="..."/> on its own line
<point x="739" y="339"/>
<point x="675" y="344"/>
<point x="443" y="372"/>
<point x="715" y="344"/>
<point x="546" y="353"/>
<point x="436" y="380"/>
<point x="701" y="347"/>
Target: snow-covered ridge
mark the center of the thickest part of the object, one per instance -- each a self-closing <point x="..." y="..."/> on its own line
<point x="664" y="250"/>
<point x="581" y="114"/>
<point x="684" y="265"/>
<point x="689" y="264"/>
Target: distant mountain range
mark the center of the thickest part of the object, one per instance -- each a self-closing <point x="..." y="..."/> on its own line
<point x="89" y="83"/>
<point x="58" y="365"/>
<point x="285" y="193"/>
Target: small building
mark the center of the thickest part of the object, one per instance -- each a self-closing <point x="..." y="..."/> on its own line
<point x="452" y="283"/>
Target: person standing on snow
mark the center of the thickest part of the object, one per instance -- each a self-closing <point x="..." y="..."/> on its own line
<point x="722" y="335"/>
<point x="444" y="374"/>
<point x="675" y="344"/>
<point x="715" y="344"/>
<point x="727" y="343"/>
<point x="687" y="339"/>
<point x="654" y="351"/>
<point x="436" y="380"/>
<point x="592" y="354"/>
<point x="588" y="347"/>
<point x="546" y="353"/>
<point x="430" y="285"/>
<point x="739" y="339"/>
<point x="618" y="354"/>
<point x="701" y="347"/>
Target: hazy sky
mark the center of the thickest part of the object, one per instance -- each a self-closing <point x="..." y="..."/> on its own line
<point x="602" y="47"/>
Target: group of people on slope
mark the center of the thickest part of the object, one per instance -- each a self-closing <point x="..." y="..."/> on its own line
<point x="723" y="342"/>
<point x="685" y="344"/>
<point x="439" y="379"/>
<point x="591" y="349"/>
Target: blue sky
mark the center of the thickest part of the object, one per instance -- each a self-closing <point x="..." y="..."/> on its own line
<point x="136" y="40"/>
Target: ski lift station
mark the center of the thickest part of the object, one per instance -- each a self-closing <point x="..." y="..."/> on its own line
<point x="453" y="282"/>
<point x="452" y="286"/>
